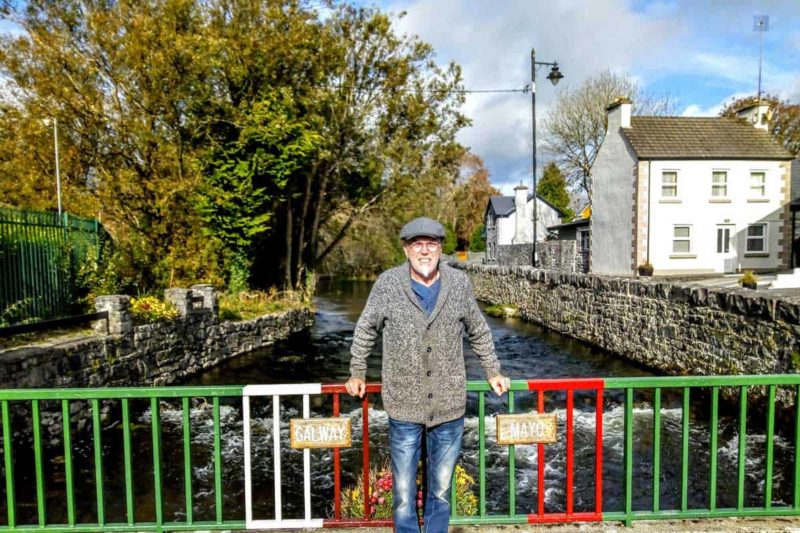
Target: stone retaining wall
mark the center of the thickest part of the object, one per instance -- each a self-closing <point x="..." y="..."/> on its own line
<point x="148" y="355"/>
<point x="674" y="329"/>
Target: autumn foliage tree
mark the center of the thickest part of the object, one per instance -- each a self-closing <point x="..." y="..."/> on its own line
<point x="784" y="118"/>
<point x="232" y="141"/>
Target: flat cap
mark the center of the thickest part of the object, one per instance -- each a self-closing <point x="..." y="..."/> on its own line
<point x="422" y="227"/>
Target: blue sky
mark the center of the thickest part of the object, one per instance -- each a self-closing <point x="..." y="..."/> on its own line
<point x="702" y="53"/>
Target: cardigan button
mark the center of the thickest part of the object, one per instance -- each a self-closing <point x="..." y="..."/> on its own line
<point x="430" y="349"/>
<point x="431" y="418"/>
<point x="430" y="396"/>
<point x="428" y="373"/>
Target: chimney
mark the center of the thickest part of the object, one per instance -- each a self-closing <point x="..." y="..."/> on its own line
<point x="619" y="114"/>
<point x="757" y="114"/>
<point x="521" y="217"/>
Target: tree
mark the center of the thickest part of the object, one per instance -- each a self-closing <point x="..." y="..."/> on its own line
<point x="784" y="123"/>
<point x="217" y="134"/>
<point x="552" y="186"/>
<point x="470" y="197"/>
<point x="576" y="125"/>
<point x="477" y="242"/>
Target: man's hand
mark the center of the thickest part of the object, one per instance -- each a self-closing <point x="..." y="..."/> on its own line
<point x="356" y="387"/>
<point x="500" y="384"/>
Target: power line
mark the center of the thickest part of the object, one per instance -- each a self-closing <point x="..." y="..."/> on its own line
<point x="524" y="90"/>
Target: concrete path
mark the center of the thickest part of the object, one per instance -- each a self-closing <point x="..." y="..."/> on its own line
<point x="736" y="525"/>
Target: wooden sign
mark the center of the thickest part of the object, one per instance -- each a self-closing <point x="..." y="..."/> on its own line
<point x="528" y="428"/>
<point x="319" y="432"/>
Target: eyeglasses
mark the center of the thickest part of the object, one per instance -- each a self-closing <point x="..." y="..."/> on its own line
<point x="432" y="246"/>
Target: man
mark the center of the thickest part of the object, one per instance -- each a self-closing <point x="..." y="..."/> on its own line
<point x="422" y="309"/>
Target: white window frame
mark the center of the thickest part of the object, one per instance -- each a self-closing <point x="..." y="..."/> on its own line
<point x="764" y="238"/>
<point x="672" y="185"/>
<point x="763" y="187"/>
<point x="715" y="184"/>
<point x="676" y="238"/>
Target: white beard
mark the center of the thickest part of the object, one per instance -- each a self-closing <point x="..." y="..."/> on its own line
<point x="425" y="269"/>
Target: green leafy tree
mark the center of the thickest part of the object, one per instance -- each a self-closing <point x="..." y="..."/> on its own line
<point x="477" y="242"/>
<point x="552" y="186"/>
<point x="246" y="178"/>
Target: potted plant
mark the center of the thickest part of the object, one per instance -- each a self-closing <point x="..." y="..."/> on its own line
<point x="749" y="280"/>
<point x="645" y="269"/>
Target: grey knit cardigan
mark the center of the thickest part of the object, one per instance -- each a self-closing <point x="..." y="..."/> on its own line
<point x="423" y="374"/>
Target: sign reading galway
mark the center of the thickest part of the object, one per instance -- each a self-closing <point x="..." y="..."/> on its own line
<point x="319" y="432"/>
<point x="529" y="428"/>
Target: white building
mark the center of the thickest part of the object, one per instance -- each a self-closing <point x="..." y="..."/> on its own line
<point x="689" y="195"/>
<point x="509" y="221"/>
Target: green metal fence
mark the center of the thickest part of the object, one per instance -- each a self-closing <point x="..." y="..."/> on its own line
<point x="749" y="401"/>
<point x="41" y="254"/>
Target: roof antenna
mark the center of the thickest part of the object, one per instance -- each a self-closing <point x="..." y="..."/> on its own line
<point x="761" y="25"/>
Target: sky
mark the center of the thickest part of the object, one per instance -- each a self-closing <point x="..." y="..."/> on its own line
<point x="702" y="53"/>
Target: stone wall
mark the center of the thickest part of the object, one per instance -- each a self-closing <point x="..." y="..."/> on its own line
<point x="147" y="355"/>
<point x="560" y="255"/>
<point x="674" y="329"/>
<point x="514" y="254"/>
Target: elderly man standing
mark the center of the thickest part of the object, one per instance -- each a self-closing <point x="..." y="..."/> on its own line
<point x="422" y="309"/>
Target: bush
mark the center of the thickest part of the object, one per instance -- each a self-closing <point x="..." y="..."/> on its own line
<point x="749" y="279"/>
<point x="380" y="482"/>
<point x="149" y="309"/>
<point x="645" y="269"/>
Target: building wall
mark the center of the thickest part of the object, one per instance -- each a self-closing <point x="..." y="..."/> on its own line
<point x="612" y="203"/>
<point x="546" y="216"/>
<point x="694" y="206"/>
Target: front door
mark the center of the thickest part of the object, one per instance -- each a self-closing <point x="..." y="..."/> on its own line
<point x="726" y="248"/>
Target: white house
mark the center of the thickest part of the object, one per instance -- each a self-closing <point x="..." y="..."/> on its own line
<point x="509" y="222"/>
<point x="689" y="195"/>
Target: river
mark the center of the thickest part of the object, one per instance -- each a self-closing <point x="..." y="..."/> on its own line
<point x="322" y="355"/>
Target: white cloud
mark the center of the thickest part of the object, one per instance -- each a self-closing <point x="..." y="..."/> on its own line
<point x="492" y="42"/>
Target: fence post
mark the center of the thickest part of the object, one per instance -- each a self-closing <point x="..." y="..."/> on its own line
<point x="209" y="297"/>
<point x="118" y="306"/>
<point x="181" y="299"/>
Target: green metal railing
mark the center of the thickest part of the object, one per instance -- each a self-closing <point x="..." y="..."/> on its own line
<point x="124" y="396"/>
<point x="740" y="386"/>
<point x="40" y="254"/>
<point x="729" y="397"/>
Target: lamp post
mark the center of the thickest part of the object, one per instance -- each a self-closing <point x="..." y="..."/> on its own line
<point x="554" y="77"/>
<point x="58" y="170"/>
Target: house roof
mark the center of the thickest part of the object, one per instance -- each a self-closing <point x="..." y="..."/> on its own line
<point x="504" y="205"/>
<point x="574" y="224"/>
<point x="701" y="138"/>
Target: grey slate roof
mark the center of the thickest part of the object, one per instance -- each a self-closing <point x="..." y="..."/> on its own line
<point x="504" y="205"/>
<point x="701" y="138"/>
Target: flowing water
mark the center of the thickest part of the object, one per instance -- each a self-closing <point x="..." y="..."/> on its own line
<point x="322" y="355"/>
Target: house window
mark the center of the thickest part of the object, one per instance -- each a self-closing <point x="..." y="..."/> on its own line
<point x="756" y="238"/>
<point x="757" y="184"/>
<point x="682" y="239"/>
<point x="669" y="184"/>
<point x="719" y="184"/>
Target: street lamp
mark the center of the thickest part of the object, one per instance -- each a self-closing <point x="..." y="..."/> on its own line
<point x="58" y="170"/>
<point x="554" y="77"/>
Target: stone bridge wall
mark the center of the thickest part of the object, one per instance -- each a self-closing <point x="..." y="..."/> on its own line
<point x="147" y="355"/>
<point x="674" y="329"/>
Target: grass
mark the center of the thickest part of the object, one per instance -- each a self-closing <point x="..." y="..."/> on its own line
<point x="39" y="337"/>
<point x="253" y="304"/>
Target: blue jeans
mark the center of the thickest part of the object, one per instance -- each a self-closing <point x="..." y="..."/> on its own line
<point x="443" y="446"/>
